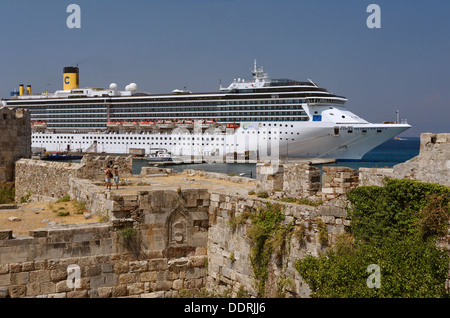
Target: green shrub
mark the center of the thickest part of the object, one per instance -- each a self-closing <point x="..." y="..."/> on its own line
<point x="128" y="233"/>
<point x="289" y="200"/>
<point x="7" y="195"/>
<point x="262" y="194"/>
<point x="394" y="227"/>
<point x="265" y="240"/>
<point x="66" y="213"/>
<point x="26" y="198"/>
<point x="65" y="198"/>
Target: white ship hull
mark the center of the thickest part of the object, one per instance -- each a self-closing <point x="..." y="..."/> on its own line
<point x="302" y="140"/>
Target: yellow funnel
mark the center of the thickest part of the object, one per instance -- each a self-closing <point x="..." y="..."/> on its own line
<point x="71" y="78"/>
<point x="21" y="90"/>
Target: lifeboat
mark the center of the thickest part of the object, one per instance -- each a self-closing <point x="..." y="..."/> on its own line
<point x="146" y="124"/>
<point x="113" y="124"/>
<point x="129" y="124"/>
<point x="39" y="124"/>
<point x="165" y="124"/>
<point x="234" y="126"/>
<point x="185" y="124"/>
<point x="209" y="123"/>
<point x="205" y="123"/>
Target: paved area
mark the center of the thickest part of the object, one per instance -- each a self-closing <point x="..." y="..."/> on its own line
<point x="184" y="181"/>
<point x="37" y="215"/>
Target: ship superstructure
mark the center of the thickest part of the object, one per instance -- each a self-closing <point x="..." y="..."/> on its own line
<point x="280" y="117"/>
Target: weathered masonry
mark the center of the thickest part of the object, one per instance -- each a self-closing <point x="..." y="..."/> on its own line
<point x="15" y="141"/>
<point x="169" y="238"/>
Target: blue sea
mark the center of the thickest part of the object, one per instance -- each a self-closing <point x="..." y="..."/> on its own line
<point x="388" y="154"/>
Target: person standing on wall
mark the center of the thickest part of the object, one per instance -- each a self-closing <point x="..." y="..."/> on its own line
<point x="116" y="176"/>
<point x="109" y="175"/>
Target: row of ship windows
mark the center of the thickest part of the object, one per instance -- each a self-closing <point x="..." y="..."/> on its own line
<point x="94" y="138"/>
<point x="192" y="104"/>
<point x="166" y="109"/>
<point x="209" y="109"/>
<point x="182" y="106"/>
<point x="143" y="143"/>
<point x="101" y="124"/>
<point x="67" y="138"/>
<point x="181" y="115"/>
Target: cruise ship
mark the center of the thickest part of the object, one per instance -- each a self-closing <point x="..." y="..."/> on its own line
<point x="261" y="117"/>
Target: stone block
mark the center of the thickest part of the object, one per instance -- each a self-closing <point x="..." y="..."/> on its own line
<point x="178" y="284"/>
<point x="61" y="287"/>
<point x="163" y="285"/>
<point x="48" y="288"/>
<point x="77" y="294"/>
<point x="138" y="266"/>
<point x="104" y="292"/>
<point x="18" y="291"/>
<point x="107" y="268"/>
<point x="39" y="276"/>
<point x="121" y="267"/>
<point x="27" y="266"/>
<point x="6" y="235"/>
<point x="107" y="280"/>
<point x="19" y="278"/>
<point x="57" y="295"/>
<point x="4" y="268"/>
<point x="157" y="294"/>
<point x="4" y="292"/>
<point x="5" y="279"/>
<point x="119" y="291"/>
<point x="128" y="278"/>
<point x="135" y="289"/>
<point x="15" y="268"/>
<point x="148" y="276"/>
<point x="157" y="264"/>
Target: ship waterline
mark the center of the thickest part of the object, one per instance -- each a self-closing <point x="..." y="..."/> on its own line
<point x="266" y="118"/>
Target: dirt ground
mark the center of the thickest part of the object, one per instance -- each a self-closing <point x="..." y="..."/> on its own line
<point x="184" y="181"/>
<point x="37" y="215"/>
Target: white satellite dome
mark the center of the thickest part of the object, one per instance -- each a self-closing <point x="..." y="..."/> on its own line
<point x="132" y="87"/>
<point x="113" y="86"/>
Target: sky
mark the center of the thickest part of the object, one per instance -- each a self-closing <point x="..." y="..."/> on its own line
<point x="168" y="44"/>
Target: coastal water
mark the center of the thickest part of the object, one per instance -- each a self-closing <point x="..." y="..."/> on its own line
<point x="390" y="153"/>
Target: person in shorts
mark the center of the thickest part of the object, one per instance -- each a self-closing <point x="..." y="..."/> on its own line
<point x="116" y="176"/>
<point x="108" y="177"/>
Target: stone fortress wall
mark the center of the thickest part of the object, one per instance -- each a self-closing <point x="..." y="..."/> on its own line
<point x="166" y="243"/>
<point x="431" y="165"/>
<point x="15" y="141"/>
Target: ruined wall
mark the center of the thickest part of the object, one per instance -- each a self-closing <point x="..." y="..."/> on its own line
<point x="229" y="248"/>
<point x="431" y="165"/>
<point x="44" y="180"/>
<point x="48" y="180"/>
<point x="295" y="180"/>
<point x="304" y="181"/>
<point x="94" y="166"/>
<point x="154" y="246"/>
<point x="301" y="180"/>
<point x="337" y="181"/>
<point x="15" y="141"/>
